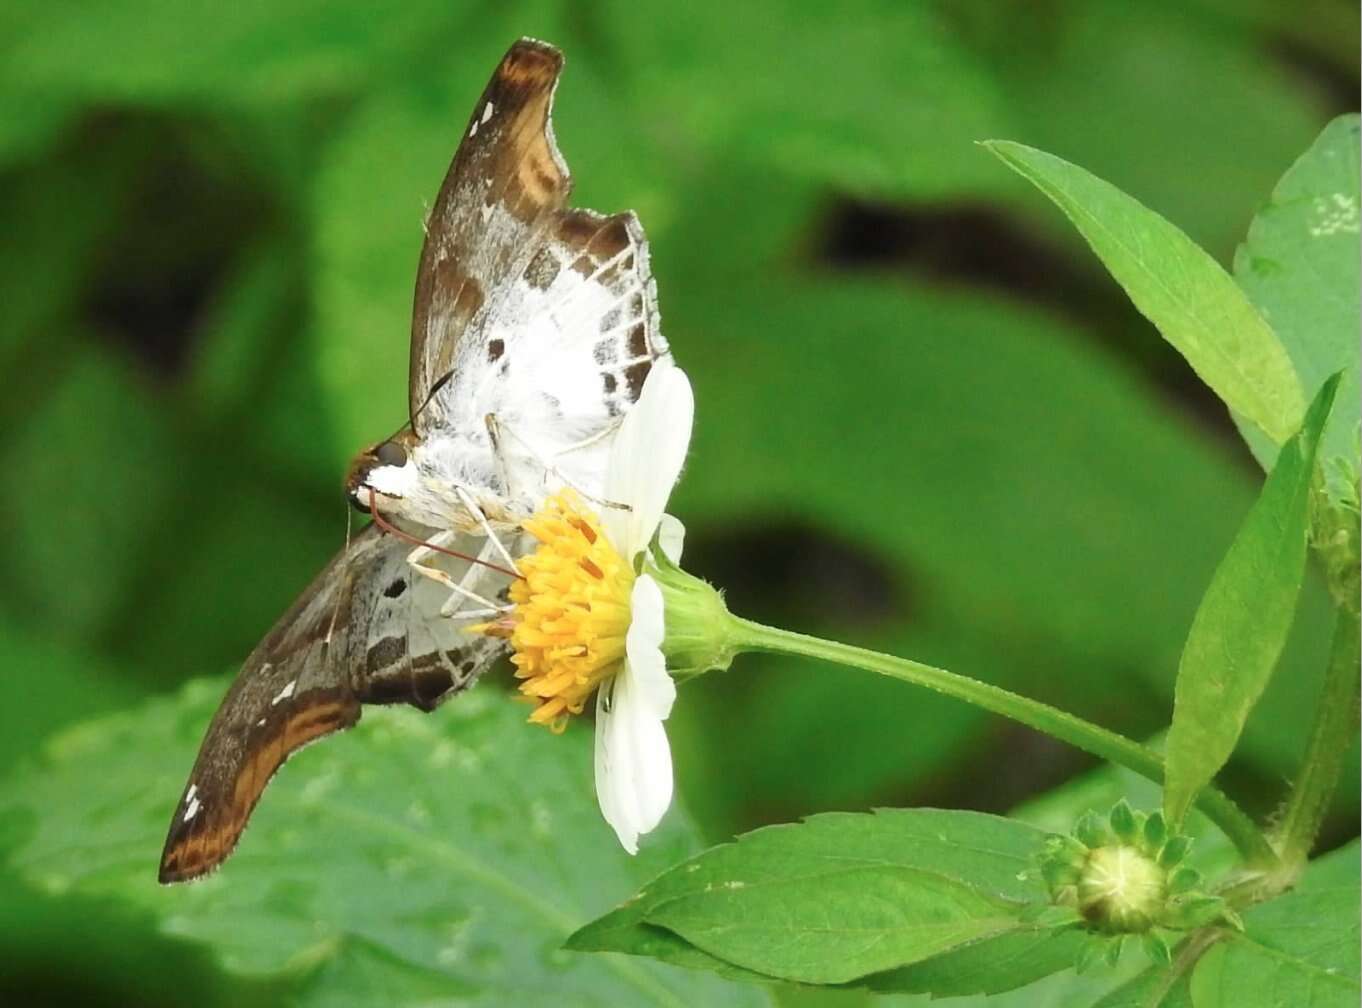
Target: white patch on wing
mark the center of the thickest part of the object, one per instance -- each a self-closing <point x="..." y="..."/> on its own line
<point x="487" y="112"/>
<point x="548" y="387"/>
<point x="284" y="693"/>
<point x="193" y="790"/>
<point x="192" y="810"/>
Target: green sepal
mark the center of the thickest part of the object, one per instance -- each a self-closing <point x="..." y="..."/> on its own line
<point x="1156" y="948"/>
<point x="1124" y="822"/>
<point x="1174" y="850"/>
<point x="1115" y="947"/>
<point x="1155" y="831"/>
<point x="1092" y="831"/>
<point x="1092" y="952"/>
<point x="1183" y="880"/>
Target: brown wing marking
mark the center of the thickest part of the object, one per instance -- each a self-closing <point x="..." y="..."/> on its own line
<point x="507" y="160"/>
<point x="197" y="846"/>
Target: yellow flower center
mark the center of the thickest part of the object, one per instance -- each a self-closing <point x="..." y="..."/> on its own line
<point x="571" y="611"/>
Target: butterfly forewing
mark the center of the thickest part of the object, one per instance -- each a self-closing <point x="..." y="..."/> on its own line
<point x="543" y="316"/>
<point x="505" y="182"/>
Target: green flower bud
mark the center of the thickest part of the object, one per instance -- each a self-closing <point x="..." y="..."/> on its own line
<point x="1121" y="889"/>
<point x="1123" y="875"/>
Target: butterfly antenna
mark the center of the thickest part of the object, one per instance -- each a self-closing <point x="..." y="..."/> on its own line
<point x="389" y="527"/>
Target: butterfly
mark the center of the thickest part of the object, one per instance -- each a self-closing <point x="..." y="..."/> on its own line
<point x="533" y="328"/>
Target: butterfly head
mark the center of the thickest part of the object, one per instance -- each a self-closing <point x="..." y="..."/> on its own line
<point x="387" y="469"/>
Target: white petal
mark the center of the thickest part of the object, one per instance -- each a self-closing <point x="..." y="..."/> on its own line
<point x="671" y="536"/>
<point x="646" y="457"/>
<point x="633" y="759"/>
<point x="611" y="791"/>
<point x="643" y="650"/>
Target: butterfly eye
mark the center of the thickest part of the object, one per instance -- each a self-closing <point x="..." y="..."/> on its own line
<point x="390" y="453"/>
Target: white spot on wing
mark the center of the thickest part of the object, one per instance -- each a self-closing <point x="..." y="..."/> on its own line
<point x="193" y="790"/>
<point x="193" y="809"/>
<point x="487" y="111"/>
<point x="284" y="693"/>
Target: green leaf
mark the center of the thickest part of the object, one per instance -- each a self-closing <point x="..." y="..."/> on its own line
<point x="1300" y="949"/>
<point x="1157" y="987"/>
<point x="1299" y="267"/>
<point x="826" y="924"/>
<point x="992" y="965"/>
<point x="424" y="855"/>
<point x="1242" y="623"/>
<point x="954" y="876"/>
<point x="1192" y="301"/>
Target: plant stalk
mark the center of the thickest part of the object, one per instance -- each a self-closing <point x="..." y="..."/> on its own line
<point x="1330" y="742"/>
<point x="1108" y="745"/>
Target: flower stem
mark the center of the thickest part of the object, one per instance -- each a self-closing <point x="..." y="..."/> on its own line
<point x="1330" y="742"/>
<point x="1241" y="830"/>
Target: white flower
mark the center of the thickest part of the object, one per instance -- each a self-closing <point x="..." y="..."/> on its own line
<point x="589" y="617"/>
<point x="633" y="759"/>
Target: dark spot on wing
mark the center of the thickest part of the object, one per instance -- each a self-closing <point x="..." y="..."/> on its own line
<point x="388" y="651"/>
<point x="467" y="667"/>
<point x="610" y="240"/>
<point x="608" y="380"/>
<point x="387" y="689"/>
<point x="584" y="266"/>
<point x="429" y="684"/>
<point x="576" y="229"/>
<point x="495" y="349"/>
<point x="605" y="352"/>
<point x="634" y="375"/>
<point x="611" y="319"/>
<point x="395" y="589"/>
<point x="638" y="341"/>
<point x="542" y="270"/>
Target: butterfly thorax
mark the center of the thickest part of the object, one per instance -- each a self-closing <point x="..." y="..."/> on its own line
<point x="431" y="484"/>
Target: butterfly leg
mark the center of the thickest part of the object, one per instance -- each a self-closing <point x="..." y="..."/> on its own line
<point x="493" y="540"/>
<point x="464" y="590"/>
<point x="549" y="469"/>
<point x="459" y="588"/>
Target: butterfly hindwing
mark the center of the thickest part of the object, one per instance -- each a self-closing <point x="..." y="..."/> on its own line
<point x="337" y="647"/>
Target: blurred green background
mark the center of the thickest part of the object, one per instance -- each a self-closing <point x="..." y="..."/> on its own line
<point x="927" y="421"/>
